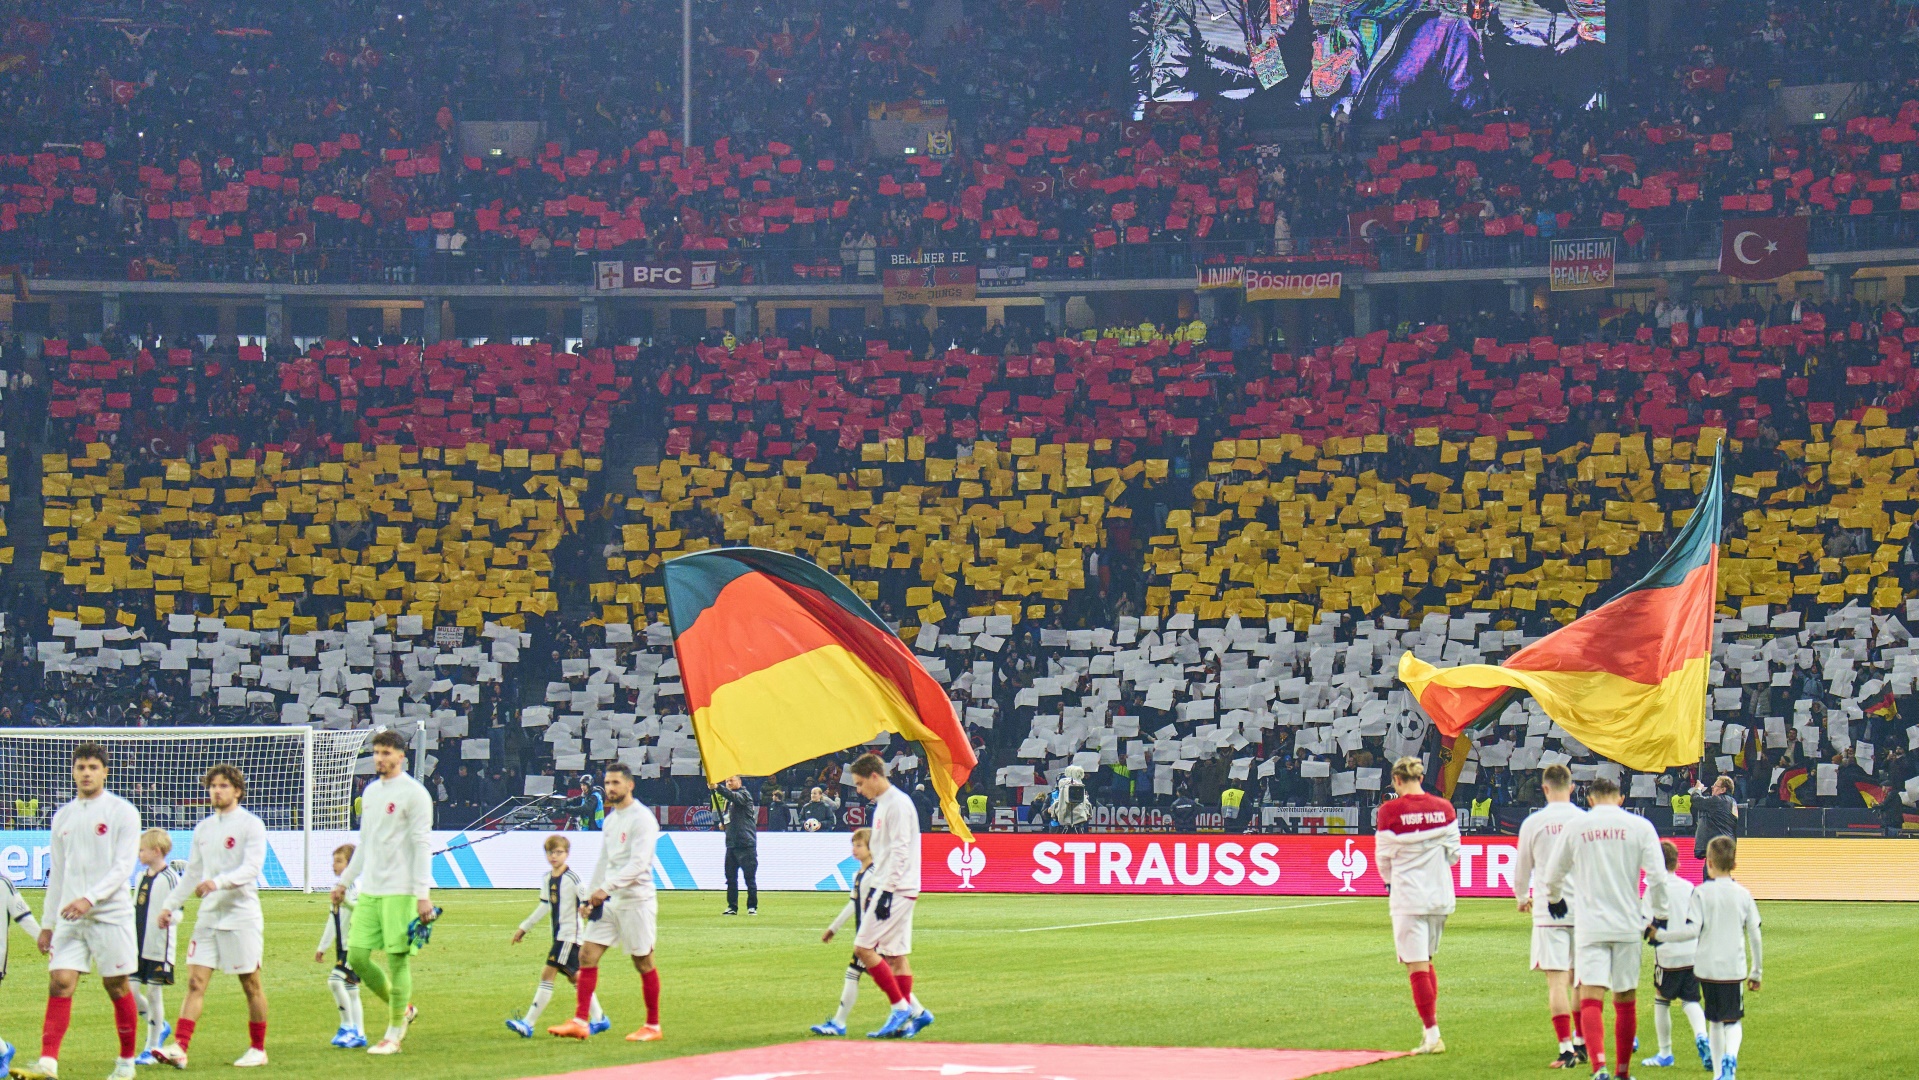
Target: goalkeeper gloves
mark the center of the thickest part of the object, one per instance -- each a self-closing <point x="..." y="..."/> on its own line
<point x="419" y="933"/>
<point x="1557" y="909"/>
<point x="883" y="907"/>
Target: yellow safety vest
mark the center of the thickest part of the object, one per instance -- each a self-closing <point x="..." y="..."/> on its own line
<point x="976" y="804"/>
<point x="1482" y="808"/>
<point x="1230" y="798"/>
<point x="1682" y="804"/>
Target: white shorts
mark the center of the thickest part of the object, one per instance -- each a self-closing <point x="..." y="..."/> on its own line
<point x="229" y="952"/>
<point x="1552" y="948"/>
<point x="1611" y="965"/>
<point x="105" y="948"/>
<point x="1416" y="937"/>
<point x="629" y="925"/>
<point x="891" y="936"/>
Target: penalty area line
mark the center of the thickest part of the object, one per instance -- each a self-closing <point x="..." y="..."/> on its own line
<point x="1169" y="918"/>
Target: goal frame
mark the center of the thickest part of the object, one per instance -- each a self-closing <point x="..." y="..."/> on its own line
<point x="308" y="735"/>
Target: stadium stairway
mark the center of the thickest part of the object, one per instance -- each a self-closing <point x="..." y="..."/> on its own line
<point x="26" y="529"/>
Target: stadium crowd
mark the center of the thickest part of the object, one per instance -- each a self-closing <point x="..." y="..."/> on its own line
<point x="1175" y="559"/>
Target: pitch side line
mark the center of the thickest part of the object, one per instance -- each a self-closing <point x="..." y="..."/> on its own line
<point x="1169" y="918"/>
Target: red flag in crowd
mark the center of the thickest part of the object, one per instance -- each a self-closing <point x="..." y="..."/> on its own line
<point x="1761" y="249"/>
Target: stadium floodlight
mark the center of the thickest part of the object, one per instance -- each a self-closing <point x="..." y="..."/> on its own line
<point x="299" y="778"/>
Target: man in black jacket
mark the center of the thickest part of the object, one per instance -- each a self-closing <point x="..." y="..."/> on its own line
<point x="1714" y="814"/>
<point x="742" y="819"/>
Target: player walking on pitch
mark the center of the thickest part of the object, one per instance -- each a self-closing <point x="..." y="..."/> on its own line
<point x="229" y="935"/>
<point x="392" y="865"/>
<point x="89" y="912"/>
<point x="157" y="941"/>
<point x="343" y="983"/>
<point x="850" y="992"/>
<point x="884" y="942"/>
<point x="1721" y="916"/>
<point x="1415" y="846"/>
<point x="1552" y="949"/>
<point x="560" y="904"/>
<point x="16" y="910"/>
<point x="1594" y="870"/>
<point x="621" y="910"/>
<point x="1673" y="978"/>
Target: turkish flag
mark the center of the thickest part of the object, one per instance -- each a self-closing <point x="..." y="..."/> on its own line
<point x="1761" y="249"/>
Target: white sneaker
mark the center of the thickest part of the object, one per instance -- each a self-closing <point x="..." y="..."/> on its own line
<point x="122" y="1070"/>
<point x="172" y="1055"/>
<point x="385" y="1046"/>
<point x="1430" y="1046"/>
<point x="251" y="1059"/>
<point x="47" y="1067"/>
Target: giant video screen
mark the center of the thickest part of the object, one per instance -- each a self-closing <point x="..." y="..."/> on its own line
<point x="1371" y="59"/>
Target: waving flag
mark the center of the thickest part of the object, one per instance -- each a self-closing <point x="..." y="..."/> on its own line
<point x="783" y="663"/>
<point x="1627" y="679"/>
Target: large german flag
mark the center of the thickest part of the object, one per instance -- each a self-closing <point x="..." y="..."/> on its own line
<point x="1627" y="679"/>
<point x="783" y="663"/>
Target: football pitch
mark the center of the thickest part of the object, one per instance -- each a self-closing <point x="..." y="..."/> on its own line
<point x="1306" y="973"/>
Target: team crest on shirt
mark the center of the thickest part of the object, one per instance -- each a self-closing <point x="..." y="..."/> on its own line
<point x="389" y="808"/>
<point x="101" y="829"/>
<point x="229" y="843"/>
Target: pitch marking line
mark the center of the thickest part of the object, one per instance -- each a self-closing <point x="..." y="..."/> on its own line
<point x="1169" y="918"/>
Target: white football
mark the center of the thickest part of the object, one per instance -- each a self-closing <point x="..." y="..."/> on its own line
<point x="812" y="825"/>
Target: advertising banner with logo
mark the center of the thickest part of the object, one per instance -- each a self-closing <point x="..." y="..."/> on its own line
<point x="1577" y="265"/>
<point x="678" y="275"/>
<point x="1136" y="864"/>
<point x="935" y="278"/>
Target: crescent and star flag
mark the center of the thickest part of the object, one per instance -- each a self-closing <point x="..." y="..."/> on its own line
<point x="782" y="663"/>
<point x="1761" y="249"/>
<point x="1627" y="679"/>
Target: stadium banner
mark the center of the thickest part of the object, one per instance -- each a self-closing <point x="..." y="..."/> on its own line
<point x="1579" y="265"/>
<point x="1118" y="863"/>
<point x="1264" y="284"/>
<point x="935" y="278"/>
<point x="675" y="275"/>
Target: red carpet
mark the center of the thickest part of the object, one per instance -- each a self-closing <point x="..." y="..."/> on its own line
<point x="867" y="1060"/>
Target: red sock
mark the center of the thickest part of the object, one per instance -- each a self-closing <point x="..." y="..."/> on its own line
<point x="59" y="1013"/>
<point x="183" y="1032"/>
<point x="1563" y="1027"/>
<point x="882" y="976"/>
<point x="584" y="984"/>
<point x="257" y="1034"/>
<point x="650" y="986"/>
<point x="126" y="1024"/>
<point x="1592" y="1024"/>
<point x="1625" y="1016"/>
<point x="906" y="986"/>
<point x="1425" y="997"/>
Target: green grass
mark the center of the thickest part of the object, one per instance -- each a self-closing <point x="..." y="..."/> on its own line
<point x="1301" y="973"/>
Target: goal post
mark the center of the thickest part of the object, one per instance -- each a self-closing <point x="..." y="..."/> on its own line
<point x="299" y="778"/>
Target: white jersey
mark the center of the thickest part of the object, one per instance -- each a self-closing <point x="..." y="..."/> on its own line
<point x="1415" y="847"/>
<point x="1675" y="896"/>
<point x="229" y="850"/>
<point x="855" y="897"/>
<point x="895" y="845"/>
<point x="96" y="845"/>
<point x="1537" y="838"/>
<point x="150" y="894"/>
<point x="1601" y="858"/>
<point x="560" y="898"/>
<point x="393" y="857"/>
<point x="1725" y="921"/>
<point x="333" y="934"/>
<point x="625" y="870"/>
<point x="18" y="912"/>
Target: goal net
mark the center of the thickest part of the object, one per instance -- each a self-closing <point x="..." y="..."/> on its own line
<point x="299" y="779"/>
